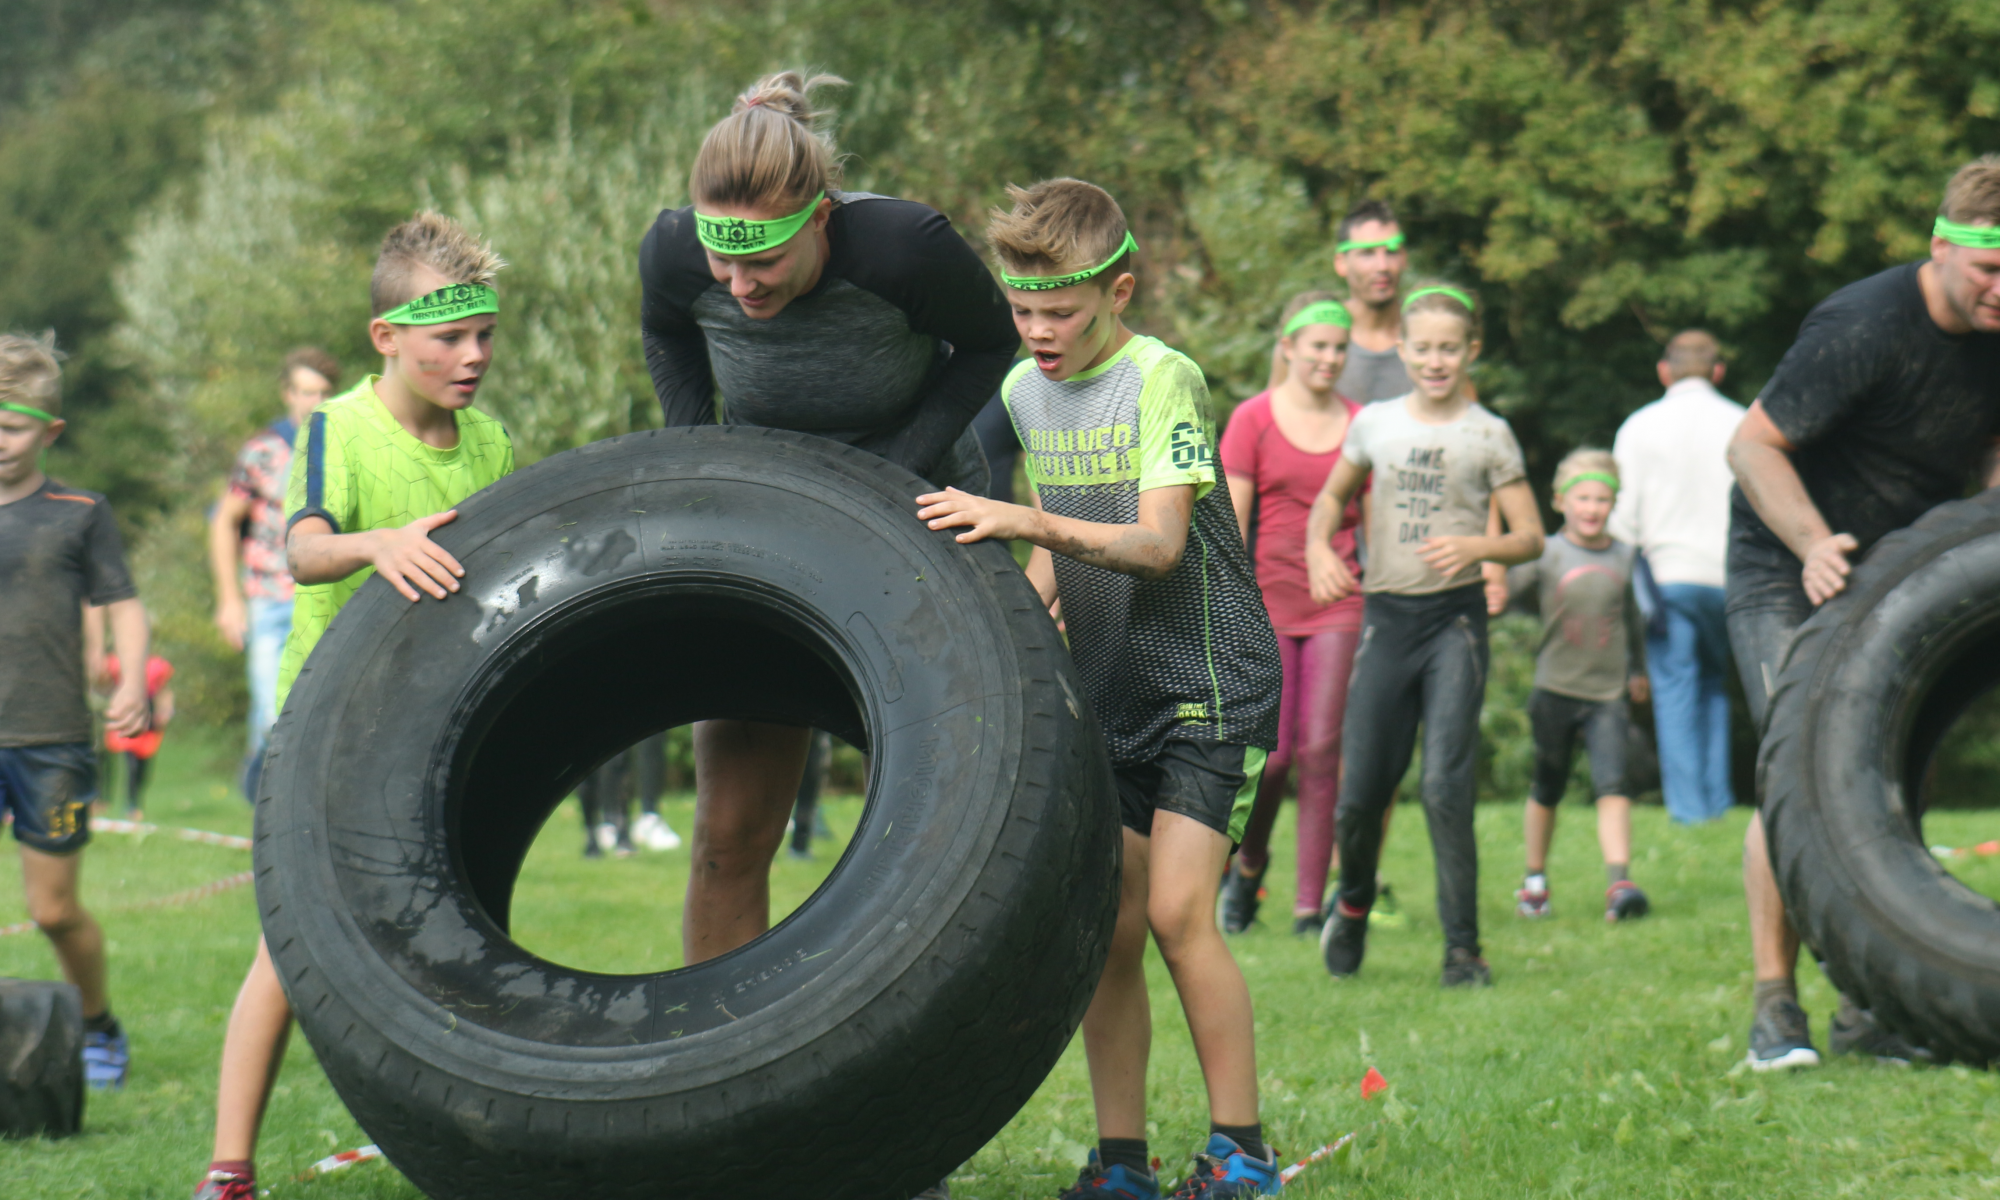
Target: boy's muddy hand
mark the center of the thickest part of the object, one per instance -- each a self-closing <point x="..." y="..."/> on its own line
<point x="953" y="509"/>
<point x="1448" y="555"/>
<point x="126" y="714"/>
<point x="1327" y="576"/>
<point x="408" y="556"/>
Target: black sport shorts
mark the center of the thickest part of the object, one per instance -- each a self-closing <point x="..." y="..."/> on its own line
<point x="1211" y="782"/>
<point x="1556" y="720"/>
<point x="49" y="790"/>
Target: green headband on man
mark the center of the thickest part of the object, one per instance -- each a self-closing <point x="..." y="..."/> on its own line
<point x="1605" y="478"/>
<point x="1974" y="237"/>
<point x="1049" y="283"/>
<point x="1440" y="289"/>
<point x="1319" y="312"/>
<point x="741" y="235"/>
<point x="1392" y="243"/>
<point x="24" y="410"/>
<point x="452" y="302"/>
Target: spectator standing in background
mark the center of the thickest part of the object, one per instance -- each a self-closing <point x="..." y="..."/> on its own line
<point x="1369" y="255"/>
<point x="1674" y="506"/>
<point x="246" y="545"/>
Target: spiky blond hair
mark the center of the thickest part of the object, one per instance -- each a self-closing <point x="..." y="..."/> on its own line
<point x="1056" y="227"/>
<point x="429" y="239"/>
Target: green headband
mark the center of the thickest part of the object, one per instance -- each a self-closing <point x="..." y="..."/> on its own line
<point x="1391" y="243"/>
<point x="740" y="235"/>
<point x="1610" y="481"/>
<point x="452" y="302"/>
<point x="1319" y="312"/>
<point x="1441" y="289"/>
<point x="1049" y="283"/>
<point x="1976" y="237"/>
<point x="25" y="411"/>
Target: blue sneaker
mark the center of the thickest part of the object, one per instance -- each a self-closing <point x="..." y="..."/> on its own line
<point x="1224" y="1171"/>
<point x="105" y="1059"/>
<point x="1116" y="1182"/>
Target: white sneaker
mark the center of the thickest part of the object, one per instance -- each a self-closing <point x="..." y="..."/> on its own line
<point x="607" y="837"/>
<point x="652" y="831"/>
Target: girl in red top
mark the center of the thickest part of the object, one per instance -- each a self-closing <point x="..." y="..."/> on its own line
<point x="1277" y="451"/>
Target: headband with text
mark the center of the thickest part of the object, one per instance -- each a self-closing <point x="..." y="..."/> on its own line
<point x="741" y="235"/>
<point x="1049" y="283"/>
<point x="452" y="302"/>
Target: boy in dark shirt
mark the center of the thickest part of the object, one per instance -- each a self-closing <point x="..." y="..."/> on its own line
<point x="1886" y="406"/>
<point x="59" y="548"/>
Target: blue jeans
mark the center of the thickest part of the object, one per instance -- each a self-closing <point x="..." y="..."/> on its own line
<point x="1690" y="708"/>
<point x="270" y="623"/>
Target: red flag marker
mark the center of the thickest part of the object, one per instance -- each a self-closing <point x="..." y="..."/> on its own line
<point x="1372" y="1084"/>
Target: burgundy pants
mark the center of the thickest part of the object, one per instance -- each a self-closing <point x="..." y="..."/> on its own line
<point x="1310" y="712"/>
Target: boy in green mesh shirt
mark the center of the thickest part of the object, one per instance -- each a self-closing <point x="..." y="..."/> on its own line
<point x="1134" y="531"/>
<point x="374" y="472"/>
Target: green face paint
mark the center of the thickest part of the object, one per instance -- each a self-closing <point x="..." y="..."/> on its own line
<point x="1974" y="237"/>
<point x="1441" y="289"/>
<point x="1049" y="283"/>
<point x="1610" y="481"/>
<point x="1391" y="244"/>
<point x="1322" y="312"/>
<point x="740" y="235"/>
<point x="25" y="411"/>
<point x="452" y="302"/>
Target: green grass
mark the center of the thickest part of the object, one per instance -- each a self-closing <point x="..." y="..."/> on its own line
<point x="1600" y="1064"/>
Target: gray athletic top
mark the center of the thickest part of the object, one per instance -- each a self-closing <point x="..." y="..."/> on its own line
<point x="1372" y="375"/>
<point x="1593" y="638"/>
<point x="895" y="349"/>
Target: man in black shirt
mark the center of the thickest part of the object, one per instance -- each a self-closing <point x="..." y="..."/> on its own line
<point x="1886" y="406"/>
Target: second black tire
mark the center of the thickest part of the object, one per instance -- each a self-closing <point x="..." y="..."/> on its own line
<point x="1870" y="686"/>
<point x="863" y="1048"/>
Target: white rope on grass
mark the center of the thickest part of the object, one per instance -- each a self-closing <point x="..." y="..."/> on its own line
<point x="189" y="896"/>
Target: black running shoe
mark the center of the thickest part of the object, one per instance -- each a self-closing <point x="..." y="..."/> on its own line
<point x="1464" y="968"/>
<point x="1307" y="925"/>
<point x="1342" y="942"/>
<point x="1241" y="896"/>
<point x="1855" y="1031"/>
<point x="1623" y="901"/>
<point x="1780" y="1038"/>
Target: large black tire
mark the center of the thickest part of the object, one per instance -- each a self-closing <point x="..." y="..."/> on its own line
<point x="1869" y="687"/>
<point x="867" y="1045"/>
<point x="41" y="1059"/>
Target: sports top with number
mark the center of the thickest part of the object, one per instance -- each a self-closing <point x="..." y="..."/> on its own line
<point x="1188" y="656"/>
<point x="59" y="548"/>
<point x="1429" y="481"/>
<point x="356" y="468"/>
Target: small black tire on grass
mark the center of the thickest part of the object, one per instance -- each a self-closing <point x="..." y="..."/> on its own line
<point x="874" y="1039"/>
<point x="41" y="1059"/>
<point x="1869" y="687"/>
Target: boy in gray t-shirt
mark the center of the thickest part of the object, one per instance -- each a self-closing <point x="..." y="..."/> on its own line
<point x="1593" y="652"/>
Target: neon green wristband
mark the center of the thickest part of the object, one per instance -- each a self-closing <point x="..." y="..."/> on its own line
<point x="741" y="235"/>
<point x="1320" y="312"/>
<point x="1608" y="480"/>
<point x="1049" y="283"/>
<point x="25" y="411"/>
<point x="452" y="302"/>
<point x="1975" y="237"/>
<point x="1391" y="244"/>
<point x="1441" y="289"/>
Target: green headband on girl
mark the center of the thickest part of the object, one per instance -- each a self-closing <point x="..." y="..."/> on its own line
<point x="740" y="235"/>
<point x="1440" y="289"/>
<point x="1976" y="237"/>
<point x="1392" y="243"/>
<point x="452" y="302"/>
<point x="1049" y="283"/>
<point x="1319" y="312"/>
<point x="25" y="411"/>
<point x="1610" y="481"/>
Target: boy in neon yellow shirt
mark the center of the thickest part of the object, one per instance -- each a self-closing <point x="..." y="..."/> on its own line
<point x="375" y="471"/>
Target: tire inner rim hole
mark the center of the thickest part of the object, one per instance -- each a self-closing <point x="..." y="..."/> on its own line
<point x="579" y="691"/>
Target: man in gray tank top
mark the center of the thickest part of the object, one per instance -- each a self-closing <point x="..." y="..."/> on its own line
<point x="1371" y="259"/>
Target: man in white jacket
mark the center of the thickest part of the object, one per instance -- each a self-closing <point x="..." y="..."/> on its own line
<point x="1674" y="505"/>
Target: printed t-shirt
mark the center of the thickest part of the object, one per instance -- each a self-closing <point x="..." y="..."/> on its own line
<point x="262" y="467"/>
<point x="1429" y="481"/>
<point x="358" y="469"/>
<point x="59" y="547"/>
<point x="1373" y="375"/>
<point x="1188" y="656"/>
<point x="1890" y="416"/>
<point x="1286" y="480"/>
<point x="1593" y="639"/>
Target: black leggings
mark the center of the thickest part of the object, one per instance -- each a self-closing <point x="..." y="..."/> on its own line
<point x="1422" y="659"/>
<point x="805" y="807"/>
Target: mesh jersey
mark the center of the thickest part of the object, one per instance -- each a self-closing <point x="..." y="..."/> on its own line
<point x="1188" y="656"/>
<point x="358" y="469"/>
